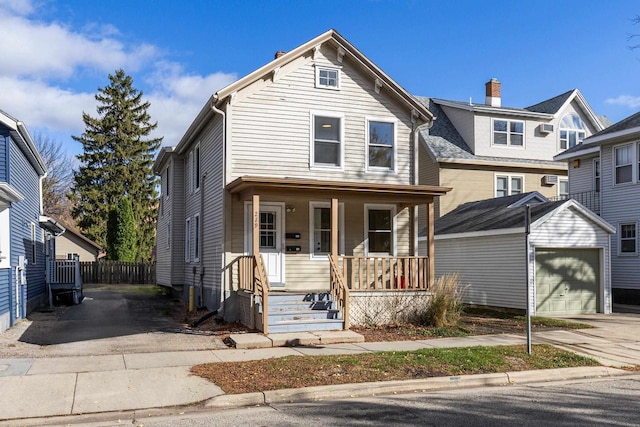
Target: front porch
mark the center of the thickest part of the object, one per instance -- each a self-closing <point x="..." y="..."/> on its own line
<point x="358" y="254"/>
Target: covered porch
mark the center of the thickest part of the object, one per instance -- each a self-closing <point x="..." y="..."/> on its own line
<point x="327" y="241"/>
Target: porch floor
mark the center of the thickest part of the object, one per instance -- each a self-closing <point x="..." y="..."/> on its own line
<point x="293" y="339"/>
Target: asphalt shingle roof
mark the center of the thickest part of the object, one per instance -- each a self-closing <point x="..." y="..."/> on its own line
<point x="627" y="123"/>
<point x="491" y="214"/>
<point x="551" y="106"/>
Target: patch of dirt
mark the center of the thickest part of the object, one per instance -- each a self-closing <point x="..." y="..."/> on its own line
<point x="195" y="322"/>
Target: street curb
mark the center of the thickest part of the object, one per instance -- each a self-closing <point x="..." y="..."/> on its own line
<point x="309" y="394"/>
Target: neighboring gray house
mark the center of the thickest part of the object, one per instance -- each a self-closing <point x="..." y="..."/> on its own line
<point x="605" y="168"/>
<point x="568" y="254"/>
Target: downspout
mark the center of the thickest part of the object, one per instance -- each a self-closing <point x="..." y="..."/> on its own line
<point x="223" y="280"/>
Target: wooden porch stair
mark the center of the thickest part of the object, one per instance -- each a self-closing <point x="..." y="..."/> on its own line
<point x="302" y="312"/>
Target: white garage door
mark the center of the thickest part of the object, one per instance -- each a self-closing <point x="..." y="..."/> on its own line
<point x="567" y="281"/>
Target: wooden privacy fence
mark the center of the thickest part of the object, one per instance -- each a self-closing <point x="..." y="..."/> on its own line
<point x="116" y="272"/>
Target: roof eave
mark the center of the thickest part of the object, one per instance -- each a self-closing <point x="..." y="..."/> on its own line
<point x="574" y="154"/>
<point x="503" y="164"/>
<point x="493" y="110"/>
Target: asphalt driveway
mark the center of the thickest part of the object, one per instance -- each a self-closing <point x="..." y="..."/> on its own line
<point x="110" y="320"/>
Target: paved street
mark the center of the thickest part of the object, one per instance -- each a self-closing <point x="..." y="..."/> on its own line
<point x="599" y="402"/>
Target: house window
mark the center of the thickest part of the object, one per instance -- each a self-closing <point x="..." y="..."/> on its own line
<point x="166" y="183"/>
<point x="168" y="233"/>
<point x="195" y="168"/>
<point x="268" y="230"/>
<point x="508" y="133"/>
<point x="328" y="78"/>
<point x="187" y="240"/>
<point x="33" y="244"/>
<point x="320" y="229"/>
<point x="507" y="185"/>
<point x="563" y="188"/>
<point x="327" y="141"/>
<point x="196" y="238"/>
<point x="381" y="140"/>
<point x="628" y="239"/>
<point x="379" y="229"/>
<point x="623" y="164"/>
<point x="571" y="131"/>
<point x="72" y="256"/>
<point x="596" y="175"/>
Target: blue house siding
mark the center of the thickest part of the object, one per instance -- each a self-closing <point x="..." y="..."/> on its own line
<point x="23" y="214"/>
<point x="4" y="143"/>
<point x="4" y="290"/>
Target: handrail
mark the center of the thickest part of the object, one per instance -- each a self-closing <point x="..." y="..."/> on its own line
<point x="252" y="277"/>
<point x="386" y="273"/>
<point x="339" y="290"/>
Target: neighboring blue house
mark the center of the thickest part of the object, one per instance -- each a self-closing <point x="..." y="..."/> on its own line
<point x="22" y="226"/>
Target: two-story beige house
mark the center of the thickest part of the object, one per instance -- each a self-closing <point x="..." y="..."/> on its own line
<point x="298" y="181"/>
<point x="487" y="150"/>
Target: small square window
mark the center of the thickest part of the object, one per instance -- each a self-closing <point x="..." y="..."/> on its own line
<point x="327" y="78"/>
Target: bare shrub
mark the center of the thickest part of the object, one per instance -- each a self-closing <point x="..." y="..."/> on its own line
<point x="445" y="304"/>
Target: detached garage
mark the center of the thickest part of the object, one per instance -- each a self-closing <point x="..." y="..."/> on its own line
<point x="568" y="254"/>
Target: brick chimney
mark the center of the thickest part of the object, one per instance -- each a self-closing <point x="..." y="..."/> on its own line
<point x="493" y="93"/>
<point x="279" y="54"/>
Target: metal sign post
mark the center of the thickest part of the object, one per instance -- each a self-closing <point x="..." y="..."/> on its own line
<point x="527" y="229"/>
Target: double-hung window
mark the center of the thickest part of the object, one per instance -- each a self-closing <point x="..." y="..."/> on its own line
<point x="379" y="229"/>
<point x="187" y="240"/>
<point x="381" y="137"/>
<point x="327" y="141"/>
<point x="563" y="188"/>
<point x="195" y="168"/>
<point x="196" y="238"/>
<point x="623" y="164"/>
<point x="628" y="238"/>
<point x="596" y="175"/>
<point x="507" y="185"/>
<point x="508" y="133"/>
<point x="320" y="229"/>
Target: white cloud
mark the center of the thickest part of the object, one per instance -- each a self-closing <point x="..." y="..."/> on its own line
<point x="626" y="100"/>
<point x="18" y="7"/>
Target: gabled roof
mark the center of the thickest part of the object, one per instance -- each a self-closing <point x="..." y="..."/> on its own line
<point x="22" y="138"/>
<point x="558" y="103"/>
<point x="330" y="36"/>
<point x="626" y="129"/>
<point x="507" y="213"/>
<point x="72" y="230"/>
<point x="164" y="154"/>
<point x="553" y="105"/>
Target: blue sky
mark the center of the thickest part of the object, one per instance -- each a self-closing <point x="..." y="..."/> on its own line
<point x="57" y="53"/>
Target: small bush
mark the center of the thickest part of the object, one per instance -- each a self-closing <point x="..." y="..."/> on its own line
<point x="445" y="304"/>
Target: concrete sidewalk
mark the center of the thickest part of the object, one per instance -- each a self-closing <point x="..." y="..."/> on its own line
<point x="62" y="386"/>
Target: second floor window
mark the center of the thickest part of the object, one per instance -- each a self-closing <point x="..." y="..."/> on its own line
<point x="507" y="185"/>
<point x="596" y="175"/>
<point x="381" y="137"/>
<point x="571" y="131"/>
<point x="508" y="133"/>
<point x="623" y="164"/>
<point x="327" y="143"/>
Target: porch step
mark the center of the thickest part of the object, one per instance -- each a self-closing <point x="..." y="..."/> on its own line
<point x="300" y="312"/>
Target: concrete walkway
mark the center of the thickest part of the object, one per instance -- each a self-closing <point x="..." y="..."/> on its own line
<point x="62" y="386"/>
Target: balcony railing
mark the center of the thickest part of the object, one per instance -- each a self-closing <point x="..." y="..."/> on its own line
<point x="589" y="199"/>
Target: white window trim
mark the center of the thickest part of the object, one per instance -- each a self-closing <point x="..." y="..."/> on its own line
<point x="195" y="171"/>
<point x="197" y="244"/>
<point x="595" y="187"/>
<point x="625" y="254"/>
<point x="634" y="165"/>
<point x="560" y="179"/>
<point x="508" y="144"/>
<point x="312" y="206"/>
<point x="509" y="177"/>
<point x="5" y="239"/>
<point x="312" y="134"/>
<point x="319" y="67"/>
<point x="394" y="148"/>
<point x="34" y="252"/>
<point x="187" y="240"/>
<point x="394" y="228"/>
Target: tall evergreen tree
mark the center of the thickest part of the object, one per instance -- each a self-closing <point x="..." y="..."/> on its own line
<point x="117" y="161"/>
<point x="121" y="233"/>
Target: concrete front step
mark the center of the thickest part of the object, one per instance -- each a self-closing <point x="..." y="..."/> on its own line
<point x="306" y="325"/>
<point x="301" y="315"/>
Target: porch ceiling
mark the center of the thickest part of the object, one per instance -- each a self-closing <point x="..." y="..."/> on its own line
<point x="246" y="186"/>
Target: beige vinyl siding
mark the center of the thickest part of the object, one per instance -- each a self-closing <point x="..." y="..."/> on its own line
<point x="302" y="272"/>
<point x="616" y="209"/>
<point x="568" y="229"/>
<point x="69" y="243"/>
<point x="464" y="123"/>
<point x="271" y="125"/>
<point x="491" y="268"/>
<point x="472" y="183"/>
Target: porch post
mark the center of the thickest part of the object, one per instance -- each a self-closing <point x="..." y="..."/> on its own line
<point x="334" y="227"/>
<point x="430" y="245"/>
<point x="255" y="221"/>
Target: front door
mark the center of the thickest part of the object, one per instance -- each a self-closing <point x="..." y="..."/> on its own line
<point x="271" y="232"/>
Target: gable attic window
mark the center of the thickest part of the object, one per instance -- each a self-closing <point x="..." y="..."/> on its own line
<point x="327" y="78"/>
<point x="327" y="141"/>
<point x="571" y="131"/>
<point x="508" y="133"/>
